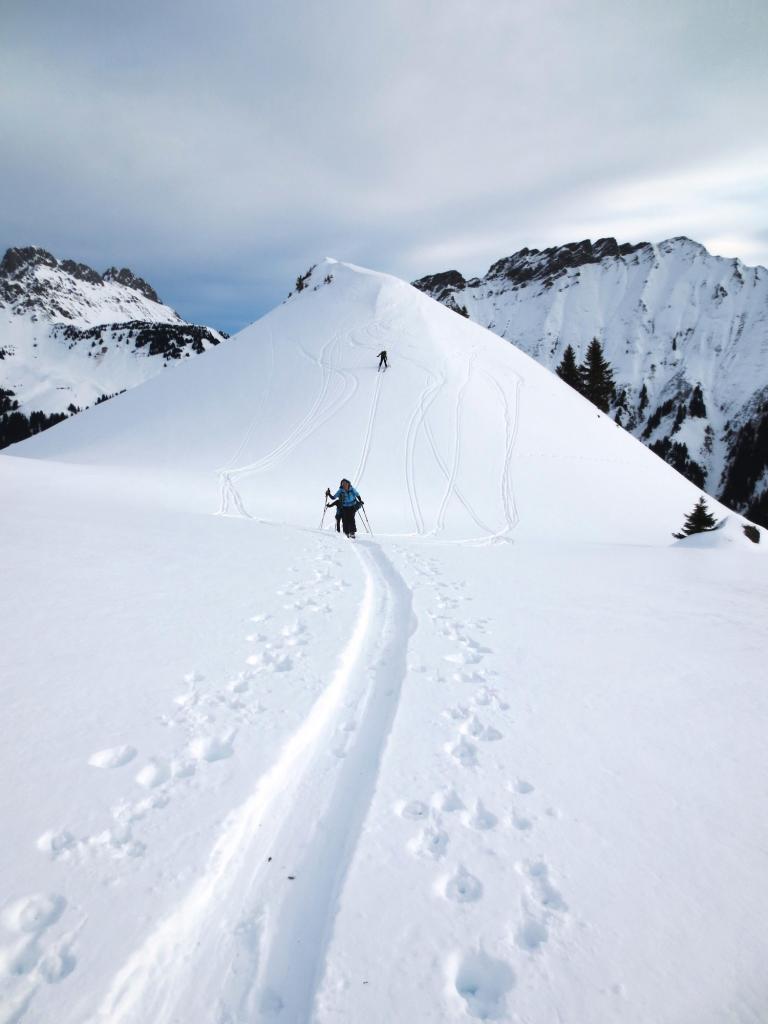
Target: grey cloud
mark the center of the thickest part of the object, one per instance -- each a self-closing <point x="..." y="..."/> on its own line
<point x="219" y="151"/>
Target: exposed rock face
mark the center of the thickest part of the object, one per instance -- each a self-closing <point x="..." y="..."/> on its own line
<point x="685" y="332"/>
<point x="130" y="280"/>
<point x="71" y="337"/>
<point x="33" y="279"/>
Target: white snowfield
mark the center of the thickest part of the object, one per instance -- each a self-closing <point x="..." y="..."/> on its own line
<point x="504" y="759"/>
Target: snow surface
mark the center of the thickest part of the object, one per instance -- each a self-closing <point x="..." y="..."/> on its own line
<point x="502" y="760"/>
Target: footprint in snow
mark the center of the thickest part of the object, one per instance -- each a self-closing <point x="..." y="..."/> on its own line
<point x="413" y="810"/>
<point x="463" y="887"/>
<point x="480" y="818"/>
<point x="155" y="773"/>
<point x="56" y="844"/>
<point x="532" y="934"/>
<point x="34" y="913"/>
<point x="476" y="729"/>
<point x="212" y="748"/>
<point x="542" y="888"/>
<point x="483" y="983"/>
<point x="112" y="757"/>
<point x="522" y="787"/>
<point x="458" y="713"/>
<point x="272" y="662"/>
<point x="431" y="842"/>
<point x="448" y="800"/>
<point x="463" y="752"/>
<point x="28" y="919"/>
<point x="126" y="812"/>
<point x="117" y="841"/>
<point x="475" y="677"/>
<point x="241" y="684"/>
<point x="485" y="697"/>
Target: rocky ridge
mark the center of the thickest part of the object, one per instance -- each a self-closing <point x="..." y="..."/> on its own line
<point x="71" y="336"/>
<point x="686" y="333"/>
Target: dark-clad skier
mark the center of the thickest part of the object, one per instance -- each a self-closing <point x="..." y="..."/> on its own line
<point x="383" y="359"/>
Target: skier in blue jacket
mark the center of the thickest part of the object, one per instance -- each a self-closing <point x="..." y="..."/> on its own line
<point x="348" y="501"/>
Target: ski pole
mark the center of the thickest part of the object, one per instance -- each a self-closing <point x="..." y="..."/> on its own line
<point x="325" y="509"/>
<point x="365" y="520"/>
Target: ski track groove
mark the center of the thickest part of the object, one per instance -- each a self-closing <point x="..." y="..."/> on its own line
<point x="357" y="478"/>
<point x="427" y="396"/>
<point x="307" y="426"/>
<point x="300" y="432"/>
<point x="306" y="813"/>
<point x="512" y="426"/>
<point x="451" y="482"/>
<point x="446" y="473"/>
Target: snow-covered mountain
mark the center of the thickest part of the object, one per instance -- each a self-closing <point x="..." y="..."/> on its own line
<point x="460" y="769"/>
<point x="685" y="332"/>
<point x="70" y="337"/>
<point x="318" y="393"/>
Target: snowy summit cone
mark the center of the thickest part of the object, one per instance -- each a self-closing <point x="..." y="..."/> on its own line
<point x="465" y="437"/>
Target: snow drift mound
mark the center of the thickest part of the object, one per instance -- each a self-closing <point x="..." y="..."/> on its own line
<point x="731" y="532"/>
<point x="464" y="436"/>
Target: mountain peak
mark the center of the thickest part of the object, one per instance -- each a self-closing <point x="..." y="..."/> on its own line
<point x="33" y="280"/>
<point x="682" y="242"/>
<point x="16" y="259"/>
<point x="127" y="278"/>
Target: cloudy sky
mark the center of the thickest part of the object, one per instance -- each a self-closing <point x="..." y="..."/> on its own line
<point x="219" y="149"/>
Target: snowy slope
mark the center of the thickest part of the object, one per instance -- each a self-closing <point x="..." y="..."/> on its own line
<point x="261" y="773"/>
<point x="294" y="402"/>
<point x="69" y="335"/>
<point x="669" y="316"/>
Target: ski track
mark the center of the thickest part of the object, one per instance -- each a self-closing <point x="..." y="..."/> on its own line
<point x="511" y="426"/>
<point x="247" y="941"/>
<point x="368" y="432"/>
<point x="319" y="413"/>
<point x="456" y="490"/>
<point x="302" y="430"/>
<point x="451" y="482"/>
<point x="427" y="396"/>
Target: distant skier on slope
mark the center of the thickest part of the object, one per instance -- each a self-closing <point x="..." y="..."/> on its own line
<point x="348" y="502"/>
<point x="383" y="360"/>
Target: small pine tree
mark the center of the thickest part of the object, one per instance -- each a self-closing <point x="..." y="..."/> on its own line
<point x="643" y="399"/>
<point x="679" y="418"/>
<point x="696" y="406"/>
<point x="698" y="520"/>
<point x="568" y="370"/>
<point x="597" y="377"/>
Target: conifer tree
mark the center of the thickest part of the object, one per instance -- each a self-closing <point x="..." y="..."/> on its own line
<point x="568" y="370"/>
<point x="698" y="520"/>
<point x="696" y="406"/>
<point x="643" y="399"/>
<point x="597" y="377"/>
